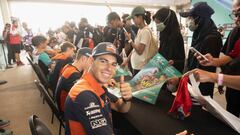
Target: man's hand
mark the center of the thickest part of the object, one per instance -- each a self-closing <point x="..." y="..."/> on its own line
<point x="125" y="89"/>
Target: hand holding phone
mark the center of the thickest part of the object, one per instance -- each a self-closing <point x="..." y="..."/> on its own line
<point x="125" y="30"/>
<point x="192" y="49"/>
<point x="128" y="35"/>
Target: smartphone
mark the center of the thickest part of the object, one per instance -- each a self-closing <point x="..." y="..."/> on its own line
<point x="192" y="49"/>
<point x="125" y="30"/>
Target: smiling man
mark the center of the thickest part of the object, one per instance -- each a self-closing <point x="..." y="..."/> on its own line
<point x="88" y="105"/>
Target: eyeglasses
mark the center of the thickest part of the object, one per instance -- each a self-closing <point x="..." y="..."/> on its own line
<point x="105" y="62"/>
<point x="234" y="14"/>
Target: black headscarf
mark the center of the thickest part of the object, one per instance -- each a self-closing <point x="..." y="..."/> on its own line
<point x="171" y="40"/>
<point x="172" y="26"/>
<point x="206" y="27"/>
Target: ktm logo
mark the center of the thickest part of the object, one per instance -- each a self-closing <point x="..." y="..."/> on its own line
<point x="111" y="48"/>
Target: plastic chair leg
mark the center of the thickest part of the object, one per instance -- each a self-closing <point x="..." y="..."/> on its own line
<point x="52" y="117"/>
<point x="60" y="129"/>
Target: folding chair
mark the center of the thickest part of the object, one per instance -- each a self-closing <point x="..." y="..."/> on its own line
<point x="37" y="127"/>
<point x="52" y="105"/>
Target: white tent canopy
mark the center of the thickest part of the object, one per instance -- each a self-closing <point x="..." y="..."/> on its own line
<point x="39" y="14"/>
<point x="146" y="3"/>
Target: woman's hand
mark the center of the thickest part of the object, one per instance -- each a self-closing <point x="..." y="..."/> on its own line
<point x="127" y="35"/>
<point x="203" y="62"/>
<point x="202" y="76"/>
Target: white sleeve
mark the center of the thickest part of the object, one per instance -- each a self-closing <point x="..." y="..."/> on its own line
<point x="145" y="37"/>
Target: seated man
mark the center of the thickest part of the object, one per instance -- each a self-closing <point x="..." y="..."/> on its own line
<point x="60" y="60"/>
<point x="70" y="74"/>
<point x="39" y="55"/>
<point x="88" y="105"/>
<point x="53" y="48"/>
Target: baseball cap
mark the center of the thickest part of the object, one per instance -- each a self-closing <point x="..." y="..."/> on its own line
<point x="139" y="10"/>
<point x="84" y="51"/>
<point x="107" y="48"/>
<point x="201" y="9"/>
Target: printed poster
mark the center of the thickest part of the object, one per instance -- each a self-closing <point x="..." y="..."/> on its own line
<point x="149" y="81"/>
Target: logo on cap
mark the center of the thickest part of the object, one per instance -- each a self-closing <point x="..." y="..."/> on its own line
<point x="111" y="48"/>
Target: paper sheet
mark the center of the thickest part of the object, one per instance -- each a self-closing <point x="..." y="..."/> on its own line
<point x="212" y="106"/>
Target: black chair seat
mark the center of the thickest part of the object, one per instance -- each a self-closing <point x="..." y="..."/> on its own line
<point x="37" y="127"/>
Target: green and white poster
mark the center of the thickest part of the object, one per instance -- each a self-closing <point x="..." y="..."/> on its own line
<point x="149" y="81"/>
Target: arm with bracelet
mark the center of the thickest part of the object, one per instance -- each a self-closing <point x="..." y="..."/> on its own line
<point x="138" y="48"/>
<point x="222" y="79"/>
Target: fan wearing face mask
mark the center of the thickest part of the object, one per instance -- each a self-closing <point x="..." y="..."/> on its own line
<point x="205" y="39"/>
<point x="171" y="40"/>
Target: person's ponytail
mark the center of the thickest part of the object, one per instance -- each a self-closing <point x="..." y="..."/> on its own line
<point x="147" y="17"/>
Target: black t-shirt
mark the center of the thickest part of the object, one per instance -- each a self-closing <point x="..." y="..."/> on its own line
<point x="212" y="44"/>
<point x="231" y="39"/>
<point x="231" y="68"/>
<point x="110" y="34"/>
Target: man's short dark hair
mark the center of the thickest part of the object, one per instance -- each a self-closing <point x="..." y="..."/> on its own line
<point x="112" y="16"/>
<point x="85" y="51"/>
<point x="37" y="40"/>
<point x="124" y="16"/>
<point x="66" y="45"/>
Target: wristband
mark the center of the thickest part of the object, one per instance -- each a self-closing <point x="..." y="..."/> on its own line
<point x="220" y="79"/>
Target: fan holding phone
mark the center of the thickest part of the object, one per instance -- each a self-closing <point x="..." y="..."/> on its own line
<point x="198" y="54"/>
<point x="205" y="39"/>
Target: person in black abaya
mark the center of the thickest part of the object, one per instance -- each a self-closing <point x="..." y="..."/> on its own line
<point x="205" y="39"/>
<point x="171" y="40"/>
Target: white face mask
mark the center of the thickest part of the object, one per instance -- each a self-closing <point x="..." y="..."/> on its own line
<point x="161" y="26"/>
